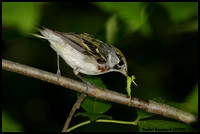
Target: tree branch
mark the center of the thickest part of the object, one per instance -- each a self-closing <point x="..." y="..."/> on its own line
<point x="75" y="106"/>
<point x="108" y="95"/>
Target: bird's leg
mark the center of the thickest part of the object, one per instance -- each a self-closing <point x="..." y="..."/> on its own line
<point x="76" y="72"/>
<point x="58" y="74"/>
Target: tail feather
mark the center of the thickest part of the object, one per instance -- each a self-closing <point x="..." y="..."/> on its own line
<point x="40" y="36"/>
<point x="46" y="33"/>
<point x="40" y="27"/>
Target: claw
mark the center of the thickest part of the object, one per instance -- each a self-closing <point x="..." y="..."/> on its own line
<point x="58" y="74"/>
<point x="89" y="85"/>
<point x="76" y="72"/>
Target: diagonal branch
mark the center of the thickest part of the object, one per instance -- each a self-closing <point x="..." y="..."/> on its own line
<point x="73" y="110"/>
<point x="108" y="95"/>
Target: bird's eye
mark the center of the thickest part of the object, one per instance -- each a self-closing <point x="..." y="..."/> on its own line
<point x="116" y="67"/>
<point x="121" y="63"/>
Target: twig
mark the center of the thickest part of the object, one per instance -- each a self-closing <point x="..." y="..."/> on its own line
<point x="75" y="106"/>
<point x="106" y="121"/>
<point x="99" y="93"/>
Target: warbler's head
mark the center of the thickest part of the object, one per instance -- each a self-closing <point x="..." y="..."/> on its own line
<point x="121" y="65"/>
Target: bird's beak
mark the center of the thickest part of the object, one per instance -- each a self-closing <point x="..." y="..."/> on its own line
<point x="124" y="72"/>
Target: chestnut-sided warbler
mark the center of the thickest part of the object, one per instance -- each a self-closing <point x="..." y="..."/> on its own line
<point x="84" y="53"/>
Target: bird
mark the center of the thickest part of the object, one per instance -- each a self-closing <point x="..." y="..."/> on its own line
<point x="84" y="53"/>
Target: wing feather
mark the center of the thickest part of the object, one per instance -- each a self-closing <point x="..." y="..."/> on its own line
<point x="84" y="43"/>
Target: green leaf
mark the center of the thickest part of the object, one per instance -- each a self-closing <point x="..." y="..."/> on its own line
<point x="95" y="81"/>
<point x="192" y="100"/>
<point x="143" y="114"/>
<point x="10" y="125"/>
<point x="164" y="126"/>
<point x="20" y="15"/>
<point x="94" y="106"/>
<point x="93" y="116"/>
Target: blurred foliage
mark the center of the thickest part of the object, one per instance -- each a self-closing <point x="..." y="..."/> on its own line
<point x="20" y="15"/>
<point x="10" y="125"/>
<point x="133" y="14"/>
<point x="190" y="102"/>
<point x="184" y="13"/>
<point x="158" y="39"/>
<point x="112" y="29"/>
<point x="181" y="11"/>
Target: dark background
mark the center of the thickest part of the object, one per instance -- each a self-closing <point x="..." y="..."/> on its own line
<point x="161" y="51"/>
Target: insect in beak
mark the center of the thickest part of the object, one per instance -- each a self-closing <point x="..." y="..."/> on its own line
<point x="125" y="73"/>
<point x="135" y="83"/>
